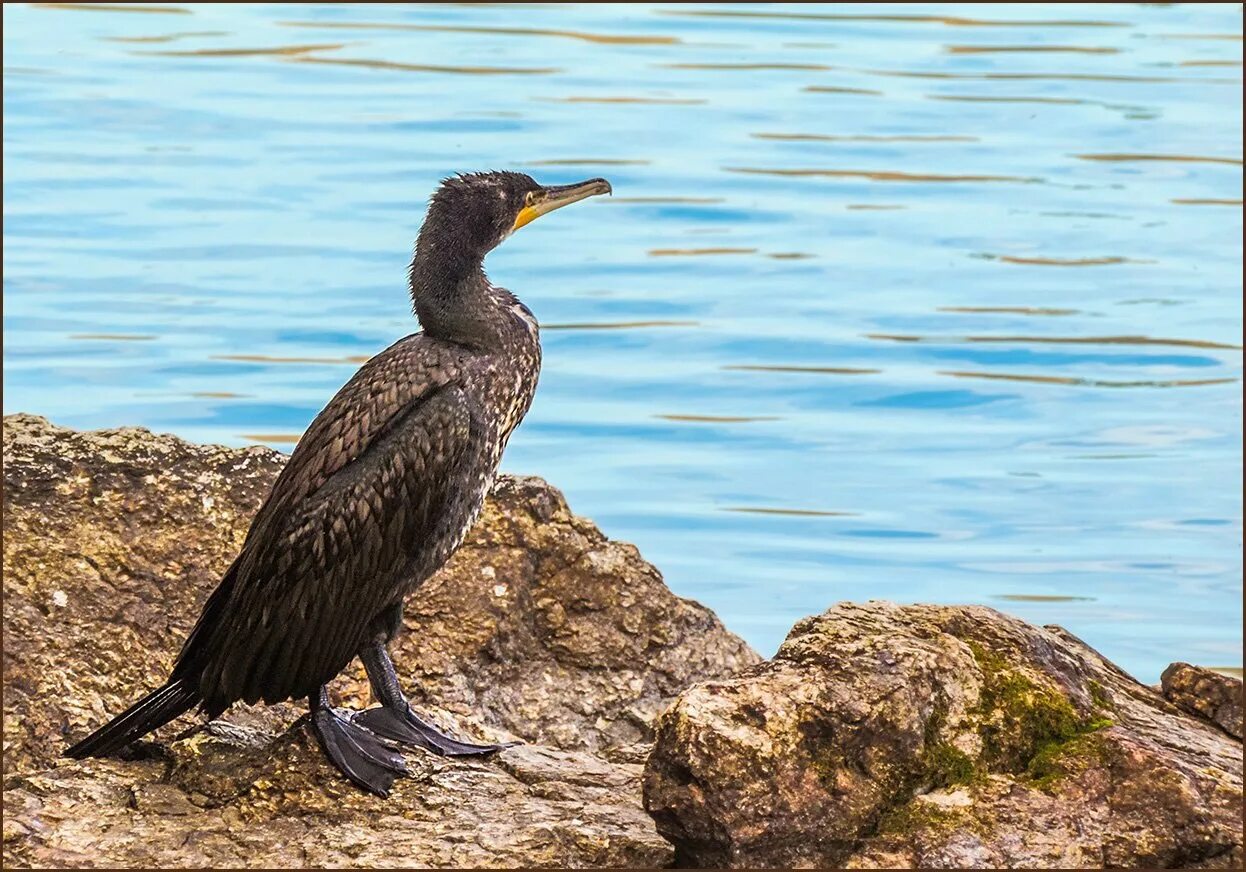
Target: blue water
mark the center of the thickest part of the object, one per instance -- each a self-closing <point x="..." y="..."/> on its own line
<point x="887" y="303"/>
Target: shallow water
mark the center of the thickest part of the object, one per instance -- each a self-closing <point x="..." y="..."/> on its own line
<point x="939" y="304"/>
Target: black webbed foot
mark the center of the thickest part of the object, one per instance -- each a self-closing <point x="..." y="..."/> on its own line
<point x="404" y="726"/>
<point x="363" y="757"/>
<point x="395" y="720"/>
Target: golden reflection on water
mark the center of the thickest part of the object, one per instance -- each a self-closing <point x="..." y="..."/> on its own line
<point x="503" y="5"/>
<point x="1008" y="310"/>
<point x="828" y="89"/>
<point x="602" y="38"/>
<point x="745" y="66"/>
<point x="1063" y="261"/>
<point x="617" y="325"/>
<point x="168" y="37"/>
<point x="883" y="175"/>
<point x="1210" y="64"/>
<point x="266" y="358"/>
<point x="656" y="101"/>
<point x="1182" y="158"/>
<point x="586" y="162"/>
<point x="1040" y="77"/>
<point x="1042" y="598"/>
<point x="1087" y="382"/>
<point x="115" y="7"/>
<point x="241" y="52"/>
<point x="427" y="68"/>
<point x="1137" y="456"/>
<point x="697" y="252"/>
<point x="1025" y="49"/>
<point x="115" y="337"/>
<point x="1059" y="340"/>
<point x="795" y="513"/>
<point x="665" y="200"/>
<point x="1197" y="201"/>
<point x="979" y="98"/>
<point x="718" y="419"/>
<point x="277" y="438"/>
<point x="818" y="137"/>
<point x="790" y="255"/>
<point x="1236" y="37"/>
<point x="819" y="370"/>
<point x="218" y="395"/>
<point x="948" y="20"/>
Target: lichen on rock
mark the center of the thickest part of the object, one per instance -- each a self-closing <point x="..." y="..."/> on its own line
<point x="885" y="736"/>
<point x="1205" y="694"/>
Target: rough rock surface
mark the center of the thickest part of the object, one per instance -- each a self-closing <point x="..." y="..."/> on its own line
<point x="1205" y="693"/>
<point x="540" y="629"/>
<point x="233" y="798"/>
<point x="885" y="736"/>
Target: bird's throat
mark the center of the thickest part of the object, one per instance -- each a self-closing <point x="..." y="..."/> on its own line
<point x="454" y="300"/>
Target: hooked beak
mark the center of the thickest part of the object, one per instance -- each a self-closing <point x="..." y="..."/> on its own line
<point x="554" y="197"/>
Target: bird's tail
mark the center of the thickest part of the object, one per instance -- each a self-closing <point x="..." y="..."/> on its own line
<point x="152" y="711"/>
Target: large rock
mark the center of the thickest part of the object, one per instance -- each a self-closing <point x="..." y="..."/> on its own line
<point x="540" y="629"/>
<point x="233" y="797"/>
<point x="1205" y="693"/>
<point x="885" y="736"/>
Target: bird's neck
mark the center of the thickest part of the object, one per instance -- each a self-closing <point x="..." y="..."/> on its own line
<point x="453" y="298"/>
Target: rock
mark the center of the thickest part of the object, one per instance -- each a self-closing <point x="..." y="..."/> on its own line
<point x="540" y="628"/>
<point x="245" y="798"/>
<point x="1205" y="693"/>
<point x="885" y="736"/>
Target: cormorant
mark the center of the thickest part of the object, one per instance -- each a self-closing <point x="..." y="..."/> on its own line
<point x="376" y="496"/>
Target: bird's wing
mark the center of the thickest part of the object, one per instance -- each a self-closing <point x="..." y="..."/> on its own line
<point x="368" y="480"/>
<point x="363" y="409"/>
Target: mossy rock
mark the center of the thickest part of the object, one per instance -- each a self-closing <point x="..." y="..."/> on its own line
<point x="1023" y="719"/>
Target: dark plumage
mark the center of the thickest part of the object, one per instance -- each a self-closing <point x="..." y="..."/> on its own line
<point x="377" y="495"/>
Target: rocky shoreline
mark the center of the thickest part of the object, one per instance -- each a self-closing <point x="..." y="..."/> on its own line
<point x="878" y="736"/>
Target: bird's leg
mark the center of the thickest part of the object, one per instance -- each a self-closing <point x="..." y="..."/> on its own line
<point x="365" y="759"/>
<point x="395" y="720"/>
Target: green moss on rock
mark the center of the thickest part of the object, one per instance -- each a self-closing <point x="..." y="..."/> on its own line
<point x="1058" y="761"/>
<point x="920" y="817"/>
<point x="947" y="765"/>
<point x="1100" y="696"/>
<point x="1023" y="721"/>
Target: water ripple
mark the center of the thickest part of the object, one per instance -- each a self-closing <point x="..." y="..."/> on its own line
<point x="898" y="18"/>
<point x="885" y="175"/>
<point x="147" y="8"/>
<point x="807" y="292"/>
<point x="600" y="38"/>
<point x="240" y="52"/>
<point x="1089" y="382"/>
<point x="429" y="68"/>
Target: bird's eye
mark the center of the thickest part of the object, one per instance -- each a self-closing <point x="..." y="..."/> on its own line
<point x="528" y="198"/>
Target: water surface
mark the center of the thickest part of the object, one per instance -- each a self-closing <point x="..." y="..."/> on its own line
<point x="919" y="303"/>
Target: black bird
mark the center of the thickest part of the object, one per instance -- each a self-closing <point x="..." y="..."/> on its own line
<point x="377" y="495"/>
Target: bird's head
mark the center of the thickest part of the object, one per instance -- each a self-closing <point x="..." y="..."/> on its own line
<point x="470" y="214"/>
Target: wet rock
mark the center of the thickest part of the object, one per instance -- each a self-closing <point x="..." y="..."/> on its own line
<point x="1205" y="693"/>
<point x="539" y="629"/>
<point x="885" y="736"/>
